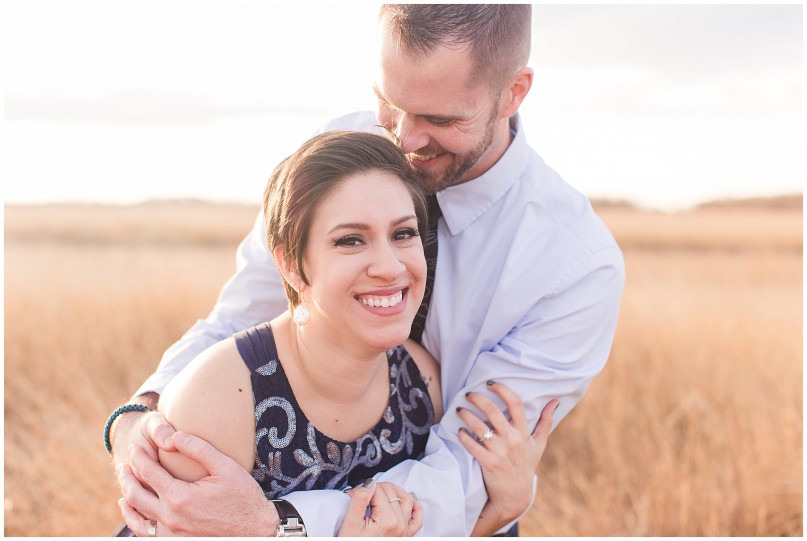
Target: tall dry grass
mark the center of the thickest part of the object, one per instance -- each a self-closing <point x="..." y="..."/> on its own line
<point x="87" y="317"/>
<point x="693" y="428"/>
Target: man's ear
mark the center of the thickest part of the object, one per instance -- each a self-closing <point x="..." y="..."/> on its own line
<point x="515" y="92"/>
<point x="286" y="269"/>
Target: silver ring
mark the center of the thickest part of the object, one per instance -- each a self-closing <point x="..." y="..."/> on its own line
<point x="152" y="531"/>
<point x="394" y="500"/>
<point x="486" y="436"/>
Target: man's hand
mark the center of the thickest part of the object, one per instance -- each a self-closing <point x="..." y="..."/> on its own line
<point x="149" y="430"/>
<point x="228" y="502"/>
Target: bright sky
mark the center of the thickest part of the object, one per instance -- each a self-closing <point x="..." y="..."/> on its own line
<point x="666" y="106"/>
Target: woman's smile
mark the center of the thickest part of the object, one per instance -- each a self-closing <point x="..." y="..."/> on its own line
<point x="384" y="304"/>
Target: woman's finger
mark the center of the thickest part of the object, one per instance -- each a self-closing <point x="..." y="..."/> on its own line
<point x="476" y="449"/>
<point x="398" y="524"/>
<point x="380" y="510"/>
<point x="416" y="522"/>
<point x="478" y="426"/>
<point x="544" y="426"/>
<point x="360" y="498"/>
<point x="515" y="406"/>
<point x="491" y="410"/>
<point x="406" y="503"/>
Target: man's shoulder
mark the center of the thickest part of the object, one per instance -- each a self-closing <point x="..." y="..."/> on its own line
<point x="557" y="204"/>
<point x="364" y="121"/>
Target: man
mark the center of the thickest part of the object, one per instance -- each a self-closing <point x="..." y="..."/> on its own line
<point x="526" y="287"/>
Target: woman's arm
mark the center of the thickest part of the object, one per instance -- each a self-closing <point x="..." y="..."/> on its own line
<point x="212" y="399"/>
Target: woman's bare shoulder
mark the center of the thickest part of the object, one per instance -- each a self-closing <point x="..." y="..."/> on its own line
<point x="212" y="398"/>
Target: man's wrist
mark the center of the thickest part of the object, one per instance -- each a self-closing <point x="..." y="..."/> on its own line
<point x="124" y="423"/>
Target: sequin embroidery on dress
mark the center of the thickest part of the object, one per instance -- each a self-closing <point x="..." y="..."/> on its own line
<point x="291" y="454"/>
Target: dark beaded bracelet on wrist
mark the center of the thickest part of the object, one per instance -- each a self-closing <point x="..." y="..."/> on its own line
<point x="115" y="414"/>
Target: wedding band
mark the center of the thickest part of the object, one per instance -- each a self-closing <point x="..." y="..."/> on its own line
<point x="152" y="532"/>
<point x="486" y="436"/>
<point x="394" y="500"/>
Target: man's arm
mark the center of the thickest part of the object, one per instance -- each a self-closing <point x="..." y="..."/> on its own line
<point x="554" y="353"/>
<point x="254" y="294"/>
<point x="556" y="350"/>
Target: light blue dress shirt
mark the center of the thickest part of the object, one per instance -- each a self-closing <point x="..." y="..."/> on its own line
<point x="526" y="293"/>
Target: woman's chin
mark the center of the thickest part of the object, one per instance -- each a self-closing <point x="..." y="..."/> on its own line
<point x="389" y="338"/>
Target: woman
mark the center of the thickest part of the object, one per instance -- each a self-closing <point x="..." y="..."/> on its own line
<point x="332" y="391"/>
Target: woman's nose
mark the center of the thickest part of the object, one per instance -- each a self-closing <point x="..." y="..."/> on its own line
<point x="386" y="263"/>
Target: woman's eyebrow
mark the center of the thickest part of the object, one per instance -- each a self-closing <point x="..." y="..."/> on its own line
<point x="365" y="227"/>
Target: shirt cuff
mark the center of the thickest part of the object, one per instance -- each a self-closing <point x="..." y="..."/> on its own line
<point x="322" y="511"/>
<point x="156" y="383"/>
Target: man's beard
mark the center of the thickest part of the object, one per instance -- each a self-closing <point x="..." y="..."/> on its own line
<point x="435" y="182"/>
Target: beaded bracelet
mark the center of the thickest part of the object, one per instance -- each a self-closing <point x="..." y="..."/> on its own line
<point x="115" y="414"/>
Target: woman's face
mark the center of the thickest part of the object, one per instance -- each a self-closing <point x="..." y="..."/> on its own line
<point x="364" y="261"/>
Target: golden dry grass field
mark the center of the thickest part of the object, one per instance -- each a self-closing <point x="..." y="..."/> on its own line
<point x="693" y="428"/>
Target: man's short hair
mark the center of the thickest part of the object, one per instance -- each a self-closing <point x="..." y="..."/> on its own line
<point x="496" y="35"/>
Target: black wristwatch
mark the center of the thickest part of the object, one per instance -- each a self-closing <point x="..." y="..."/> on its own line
<point x="291" y="525"/>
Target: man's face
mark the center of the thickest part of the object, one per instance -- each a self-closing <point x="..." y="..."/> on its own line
<point x="448" y="128"/>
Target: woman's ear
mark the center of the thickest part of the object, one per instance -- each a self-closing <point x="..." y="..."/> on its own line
<point x="514" y="93"/>
<point x="286" y="269"/>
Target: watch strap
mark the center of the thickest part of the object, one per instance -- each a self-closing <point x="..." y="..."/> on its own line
<point x="291" y="524"/>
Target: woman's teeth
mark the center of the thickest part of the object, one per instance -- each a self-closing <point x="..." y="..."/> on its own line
<point x="383" y="302"/>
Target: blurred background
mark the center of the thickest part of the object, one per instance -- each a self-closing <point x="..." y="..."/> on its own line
<point x="138" y="137"/>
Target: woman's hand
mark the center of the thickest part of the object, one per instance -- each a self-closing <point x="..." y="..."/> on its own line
<point x="393" y="512"/>
<point x="508" y="454"/>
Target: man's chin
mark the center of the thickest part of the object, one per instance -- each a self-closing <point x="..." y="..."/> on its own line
<point x="429" y="183"/>
<point x="432" y="181"/>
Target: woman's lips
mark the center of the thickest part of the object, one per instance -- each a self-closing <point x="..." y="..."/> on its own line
<point x="389" y="304"/>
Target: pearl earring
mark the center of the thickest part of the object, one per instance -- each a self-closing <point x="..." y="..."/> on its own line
<point x="300" y="315"/>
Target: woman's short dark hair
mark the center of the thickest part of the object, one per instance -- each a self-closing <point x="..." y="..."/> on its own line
<point x="300" y="183"/>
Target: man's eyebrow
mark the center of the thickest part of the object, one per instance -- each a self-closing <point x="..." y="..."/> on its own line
<point x="429" y="118"/>
<point x="381" y="98"/>
<point x="365" y="227"/>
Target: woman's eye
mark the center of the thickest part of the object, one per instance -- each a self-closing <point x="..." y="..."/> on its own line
<point x="404" y="234"/>
<point x="349" y="240"/>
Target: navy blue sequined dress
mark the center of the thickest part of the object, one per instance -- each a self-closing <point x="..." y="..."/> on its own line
<point x="291" y="454"/>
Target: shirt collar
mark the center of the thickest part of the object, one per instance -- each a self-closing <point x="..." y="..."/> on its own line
<point x="464" y="203"/>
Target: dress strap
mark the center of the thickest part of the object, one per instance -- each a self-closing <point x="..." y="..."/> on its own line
<point x="257" y="348"/>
